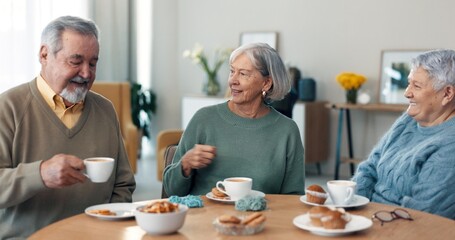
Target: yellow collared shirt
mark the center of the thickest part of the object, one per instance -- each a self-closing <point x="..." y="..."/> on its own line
<point x="68" y="115"/>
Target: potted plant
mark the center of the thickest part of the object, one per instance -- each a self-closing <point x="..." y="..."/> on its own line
<point x="143" y="105"/>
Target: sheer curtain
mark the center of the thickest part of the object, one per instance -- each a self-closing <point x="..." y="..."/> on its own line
<point x="21" y="23"/>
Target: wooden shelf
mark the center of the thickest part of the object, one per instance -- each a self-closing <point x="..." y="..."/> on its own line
<point x="369" y="107"/>
<point x="350" y="160"/>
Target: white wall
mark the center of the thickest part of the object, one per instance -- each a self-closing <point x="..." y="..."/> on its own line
<point x="321" y="37"/>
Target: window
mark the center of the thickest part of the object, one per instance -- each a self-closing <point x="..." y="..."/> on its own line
<point x="21" y="23"/>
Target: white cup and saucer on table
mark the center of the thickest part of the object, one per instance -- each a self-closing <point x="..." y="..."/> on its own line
<point x="235" y="188"/>
<point x="341" y="191"/>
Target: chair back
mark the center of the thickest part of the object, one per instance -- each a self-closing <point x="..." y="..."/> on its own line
<point x="168" y="156"/>
<point x="163" y="140"/>
<point x="119" y="93"/>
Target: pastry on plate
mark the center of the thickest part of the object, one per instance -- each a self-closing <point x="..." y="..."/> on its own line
<point x="218" y="194"/>
<point x="316" y="194"/>
<point x="335" y="219"/>
<point x="316" y="213"/>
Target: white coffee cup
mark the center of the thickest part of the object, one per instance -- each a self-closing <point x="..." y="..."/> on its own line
<point x="341" y="191"/>
<point x="99" y="169"/>
<point x="235" y="187"/>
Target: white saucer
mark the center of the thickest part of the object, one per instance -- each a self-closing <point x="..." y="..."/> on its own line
<point x="356" y="201"/>
<point x="122" y="210"/>
<point x="253" y="193"/>
<point x="357" y="223"/>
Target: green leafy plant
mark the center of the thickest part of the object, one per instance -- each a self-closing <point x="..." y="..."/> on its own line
<point x="143" y="106"/>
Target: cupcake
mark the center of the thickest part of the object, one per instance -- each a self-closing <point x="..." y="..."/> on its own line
<point x="316" y="194"/>
<point x="316" y="213"/>
<point x="335" y="219"/>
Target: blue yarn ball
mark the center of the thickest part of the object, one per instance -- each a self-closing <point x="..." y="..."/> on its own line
<point x="251" y="203"/>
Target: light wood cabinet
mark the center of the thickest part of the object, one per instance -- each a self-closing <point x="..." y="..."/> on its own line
<point x="312" y="118"/>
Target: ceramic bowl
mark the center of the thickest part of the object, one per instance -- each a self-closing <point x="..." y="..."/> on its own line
<point x="161" y="223"/>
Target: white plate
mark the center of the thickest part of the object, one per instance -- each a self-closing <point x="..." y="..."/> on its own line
<point x="356" y="201"/>
<point x="253" y="193"/>
<point x="122" y="210"/>
<point x="357" y="223"/>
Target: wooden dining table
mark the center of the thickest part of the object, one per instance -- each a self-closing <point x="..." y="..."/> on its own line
<point x="280" y="213"/>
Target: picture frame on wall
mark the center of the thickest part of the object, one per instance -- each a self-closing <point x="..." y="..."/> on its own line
<point x="393" y="80"/>
<point x="270" y="38"/>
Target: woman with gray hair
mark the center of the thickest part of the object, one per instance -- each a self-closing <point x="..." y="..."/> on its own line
<point x="242" y="137"/>
<point x="413" y="165"/>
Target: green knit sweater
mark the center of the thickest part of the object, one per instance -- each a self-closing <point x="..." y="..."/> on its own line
<point x="267" y="149"/>
<point x="31" y="132"/>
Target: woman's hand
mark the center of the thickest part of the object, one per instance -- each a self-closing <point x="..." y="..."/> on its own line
<point x="200" y="156"/>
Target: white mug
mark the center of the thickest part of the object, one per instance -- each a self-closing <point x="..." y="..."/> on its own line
<point x="341" y="191"/>
<point x="99" y="169"/>
<point x="235" y="187"/>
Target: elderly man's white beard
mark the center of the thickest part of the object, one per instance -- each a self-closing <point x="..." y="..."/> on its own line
<point x="78" y="94"/>
<point x="75" y="96"/>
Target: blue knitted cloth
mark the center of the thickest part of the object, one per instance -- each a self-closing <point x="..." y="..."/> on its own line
<point x="251" y="203"/>
<point x="190" y="201"/>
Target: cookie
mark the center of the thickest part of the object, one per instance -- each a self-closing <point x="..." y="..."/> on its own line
<point x="218" y="193"/>
<point x="105" y="212"/>
<point x="253" y="218"/>
<point x="255" y="222"/>
<point x="228" y="219"/>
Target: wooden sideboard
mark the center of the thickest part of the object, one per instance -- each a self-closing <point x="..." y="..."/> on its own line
<point x="312" y="119"/>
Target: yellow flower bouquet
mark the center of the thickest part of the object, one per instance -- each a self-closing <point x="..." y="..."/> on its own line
<point x="351" y="82"/>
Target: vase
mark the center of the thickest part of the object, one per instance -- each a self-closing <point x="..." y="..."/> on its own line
<point x="211" y="85"/>
<point x="351" y="96"/>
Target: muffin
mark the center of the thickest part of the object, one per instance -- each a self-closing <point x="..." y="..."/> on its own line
<point x="316" y="213"/>
<point x="316" y="194"/>
<point x="335" y="219"/>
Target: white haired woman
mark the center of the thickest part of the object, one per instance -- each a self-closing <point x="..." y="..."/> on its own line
<point x="242" y="137"/>
<point x="414" y="163"/>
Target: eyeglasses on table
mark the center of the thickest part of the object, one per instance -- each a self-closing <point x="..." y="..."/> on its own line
<point x="388" y="216"/>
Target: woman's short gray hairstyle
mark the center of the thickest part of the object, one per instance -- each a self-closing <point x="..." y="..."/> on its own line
<point x="267" y="61"/>
<point x="440" y="65"/>
<point x="52" y="33"/>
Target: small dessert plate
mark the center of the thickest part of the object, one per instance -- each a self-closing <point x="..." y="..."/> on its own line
<point x="356" y="201"/>
<point x="121" y="210"/>
<point x="357" y="223"/>
<point x="253" y="193"/>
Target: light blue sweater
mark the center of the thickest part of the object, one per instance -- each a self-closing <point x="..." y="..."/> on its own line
<point x="267" y="149"/>
<point x="413" y="167"/>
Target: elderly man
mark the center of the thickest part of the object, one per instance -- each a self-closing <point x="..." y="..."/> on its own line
<point x="47" y="126"/>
